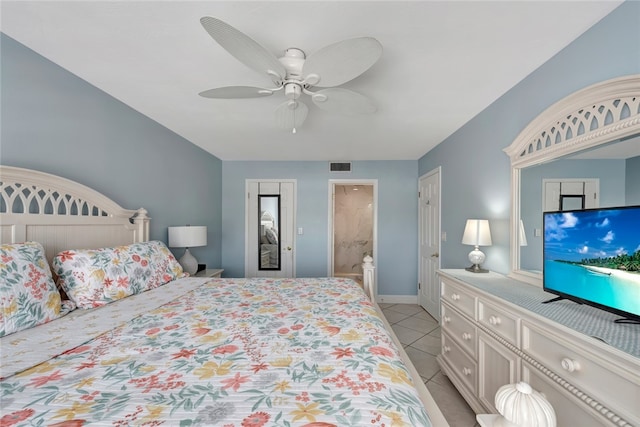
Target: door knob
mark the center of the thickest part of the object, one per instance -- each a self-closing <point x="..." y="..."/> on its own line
<point x="435" y="255"/>
<point x="288" y="248"/>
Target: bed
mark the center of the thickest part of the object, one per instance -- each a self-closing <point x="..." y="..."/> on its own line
<point x="138" y="343"/>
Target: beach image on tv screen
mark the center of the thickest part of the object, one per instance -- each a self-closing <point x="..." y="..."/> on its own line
<point x="594" y="255"/>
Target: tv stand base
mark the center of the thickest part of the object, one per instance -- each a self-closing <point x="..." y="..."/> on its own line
<point x="625" y="320"/>
<point x="560" y="298"/>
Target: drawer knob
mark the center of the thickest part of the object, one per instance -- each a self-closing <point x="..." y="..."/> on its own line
<point x="466" y="371"/>
<point x="446" y="319"/>
<point x="446" y="349"/>
<point x="570" y="365"/>
<point x="455" y="297"/>
<point x="466" y="336"/>
<point x="495" y="320"/>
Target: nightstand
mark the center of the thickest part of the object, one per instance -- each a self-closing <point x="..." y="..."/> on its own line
<point x="210" y="272"/>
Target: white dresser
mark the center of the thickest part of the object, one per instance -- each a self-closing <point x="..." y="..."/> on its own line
<point x="495" y="331"/>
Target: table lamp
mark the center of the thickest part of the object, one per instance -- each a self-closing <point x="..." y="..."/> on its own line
<point x="188" y="237"/>
<point x="476" y="233"/>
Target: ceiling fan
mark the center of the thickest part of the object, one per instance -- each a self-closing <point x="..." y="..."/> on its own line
<point x="296" y="74"/>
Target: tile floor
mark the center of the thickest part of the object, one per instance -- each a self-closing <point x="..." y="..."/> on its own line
<point x="419" y="333"/>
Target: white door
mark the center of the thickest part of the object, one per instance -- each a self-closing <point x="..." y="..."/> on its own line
<point x="270" y="228"/>
<point x="429" y="240"/>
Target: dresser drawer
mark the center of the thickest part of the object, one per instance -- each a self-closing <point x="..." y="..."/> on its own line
<point x="464" y="367"/>
<point x="457" y="296"/>
<point x="605" y="380"/>
<point x="499" y="321"/>
<point x="460" y="329"/>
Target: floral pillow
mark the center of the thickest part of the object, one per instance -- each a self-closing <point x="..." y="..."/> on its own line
<point x="28" y="295"/>
<point x="95" y="277"/>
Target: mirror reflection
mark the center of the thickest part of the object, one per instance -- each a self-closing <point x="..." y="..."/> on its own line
<point x="269" y="229"/>
<point x="601" y="177"/>
<point x="597" y="124"/>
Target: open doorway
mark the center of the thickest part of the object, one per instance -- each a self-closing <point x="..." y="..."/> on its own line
<point x="353" y="226"/>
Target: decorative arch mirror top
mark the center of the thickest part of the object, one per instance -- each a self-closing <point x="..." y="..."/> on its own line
<point x="596" y="115"/>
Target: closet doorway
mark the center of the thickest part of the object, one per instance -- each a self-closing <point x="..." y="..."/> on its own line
<point x="352" y="226"/>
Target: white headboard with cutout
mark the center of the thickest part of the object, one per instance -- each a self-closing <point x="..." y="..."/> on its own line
<point x="62" y="214"/>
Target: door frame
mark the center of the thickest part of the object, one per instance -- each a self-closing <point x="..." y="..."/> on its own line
<point x="331" y="188"/>
<point x="247" y="218"/>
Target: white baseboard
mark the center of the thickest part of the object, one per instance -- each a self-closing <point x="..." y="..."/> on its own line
<point x="397" y="299"/>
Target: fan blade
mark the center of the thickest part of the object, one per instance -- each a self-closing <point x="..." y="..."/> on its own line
<point x="343" y="101"/>
<point x="291" y="114"/>
<point x="236" y="92"/>
<point x="338" y="63"/>
<point x="244" y="48"/>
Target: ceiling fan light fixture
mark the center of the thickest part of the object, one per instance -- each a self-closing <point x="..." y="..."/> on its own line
<point x="292" y="90"/>
<point x="294" y="73"/>
<point x="291" y="114"/>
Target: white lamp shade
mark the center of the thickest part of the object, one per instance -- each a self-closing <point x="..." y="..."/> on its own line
<point x="187" y="236"/>
<point x="477" y="233"/>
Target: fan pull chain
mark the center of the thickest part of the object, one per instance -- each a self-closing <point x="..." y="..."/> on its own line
<point x="294" y="118"/>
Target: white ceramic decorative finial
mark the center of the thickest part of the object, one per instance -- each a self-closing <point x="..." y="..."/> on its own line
<point x="522" y="406"/>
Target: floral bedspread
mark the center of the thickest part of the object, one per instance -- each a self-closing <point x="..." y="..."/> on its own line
<point x="232" y="352"/>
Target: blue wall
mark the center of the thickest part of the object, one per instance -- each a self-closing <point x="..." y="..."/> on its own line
<point x="397" y="216"/>
<point x="55" y="122"/>
<point x="476" y="172"/>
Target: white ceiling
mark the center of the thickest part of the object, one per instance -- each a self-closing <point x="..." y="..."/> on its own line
<point x="443" y="62"/>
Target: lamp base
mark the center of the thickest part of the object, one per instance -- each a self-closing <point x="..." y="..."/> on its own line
<point x="476" y="257"/>
<point x="475" y="268"/>
<point x="188" y="262"/>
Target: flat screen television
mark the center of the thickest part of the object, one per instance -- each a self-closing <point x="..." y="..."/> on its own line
<point x="592" y="256"/>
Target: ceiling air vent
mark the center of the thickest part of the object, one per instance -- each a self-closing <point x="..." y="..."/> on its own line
<point x="340" y="166"/>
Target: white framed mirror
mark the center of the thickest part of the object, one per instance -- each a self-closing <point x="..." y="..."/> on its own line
<point x="597" y="116"/>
